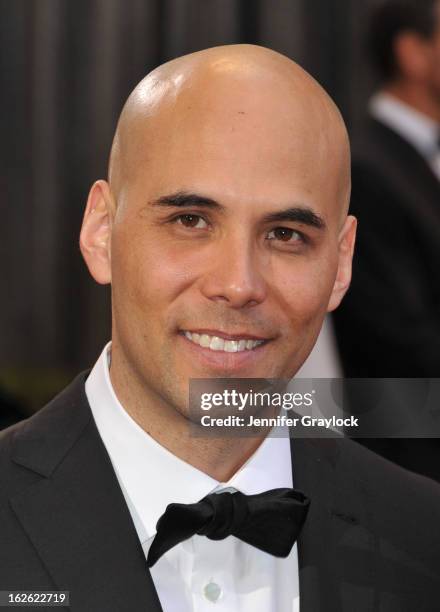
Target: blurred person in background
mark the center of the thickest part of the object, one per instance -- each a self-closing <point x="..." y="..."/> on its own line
<point x="394" y="300"/>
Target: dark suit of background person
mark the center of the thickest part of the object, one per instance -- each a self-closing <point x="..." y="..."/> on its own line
<point x="370" y="541"/>
<point x="10" y="410"/>
<point x="394" y="299"/>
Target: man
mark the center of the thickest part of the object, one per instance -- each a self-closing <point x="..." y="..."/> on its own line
<point x="394" y="300"/>
<point x="396" y="184"/>
<point x="223" y="231"/>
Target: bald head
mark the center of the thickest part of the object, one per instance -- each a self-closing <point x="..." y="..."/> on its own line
<point x="253" y="94"/>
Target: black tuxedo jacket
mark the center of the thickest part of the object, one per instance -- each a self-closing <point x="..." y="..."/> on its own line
<point x="370" y="542"/>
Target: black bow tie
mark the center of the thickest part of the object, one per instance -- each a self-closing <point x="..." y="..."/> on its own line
<point x="270" y="521"/>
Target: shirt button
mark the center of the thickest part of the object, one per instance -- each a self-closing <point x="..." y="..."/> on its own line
<point x="212" y="591"/>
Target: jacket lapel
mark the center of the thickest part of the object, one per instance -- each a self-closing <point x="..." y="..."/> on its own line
<point x="75" y="514"/>
<point x="335" y="548"/>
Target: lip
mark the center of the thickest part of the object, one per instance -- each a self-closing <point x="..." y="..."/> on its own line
<point x="232" y="363"/>
<point x="225" y="336"/>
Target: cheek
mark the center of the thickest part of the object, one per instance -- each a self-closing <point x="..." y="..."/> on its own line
<point x="148" y="274"/>
<point x="436" y="61"/>
<point x="304" y="289"/>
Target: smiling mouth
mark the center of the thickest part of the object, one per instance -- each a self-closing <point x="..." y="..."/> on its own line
<point x="226" y="345"/>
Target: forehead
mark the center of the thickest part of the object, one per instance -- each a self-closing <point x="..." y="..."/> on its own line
<point x="238" y="142"/>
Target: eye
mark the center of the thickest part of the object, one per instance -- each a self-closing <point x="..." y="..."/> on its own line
<point x="192" y="221"/>
<point x="285" y="234"/>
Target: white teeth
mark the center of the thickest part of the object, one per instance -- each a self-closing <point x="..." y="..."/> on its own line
<point x="219" y="344"/>
<point x="204" y="341"/>
<point x="231" y="346"/>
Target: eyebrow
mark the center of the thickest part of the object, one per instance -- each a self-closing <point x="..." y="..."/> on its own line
<point x="182" y="199"/>
<point x="297" y="214"/>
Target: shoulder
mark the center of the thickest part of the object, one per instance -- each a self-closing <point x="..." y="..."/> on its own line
<point x="355" y="468"/>
<point x="401" y="505"/>
<point x="382" y="477"/>
<point x="40" y="442"/>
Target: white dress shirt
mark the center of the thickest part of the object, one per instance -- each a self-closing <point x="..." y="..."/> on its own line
<point x="199" y="574"/>
<point x="420" y="131"/>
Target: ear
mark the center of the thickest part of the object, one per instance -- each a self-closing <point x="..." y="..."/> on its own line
<point x="347" y="238"/>
<point x="96" y="232"/>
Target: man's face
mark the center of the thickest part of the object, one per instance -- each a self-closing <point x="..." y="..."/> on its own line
<point x="224" y="244"/>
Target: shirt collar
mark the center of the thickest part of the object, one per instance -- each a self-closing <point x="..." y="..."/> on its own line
<point x="421" y="131"/>
<point x="152" y="477"/>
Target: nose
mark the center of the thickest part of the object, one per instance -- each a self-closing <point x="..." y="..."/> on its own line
<point x="235" y="276"/>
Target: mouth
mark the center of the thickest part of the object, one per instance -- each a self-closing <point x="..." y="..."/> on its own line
<point x="220" y="342"/>
<point x="241" y="354"/>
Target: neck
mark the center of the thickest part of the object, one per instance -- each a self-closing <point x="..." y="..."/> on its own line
<point x="420" y="98"/>
<point x="220" y="458"/>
